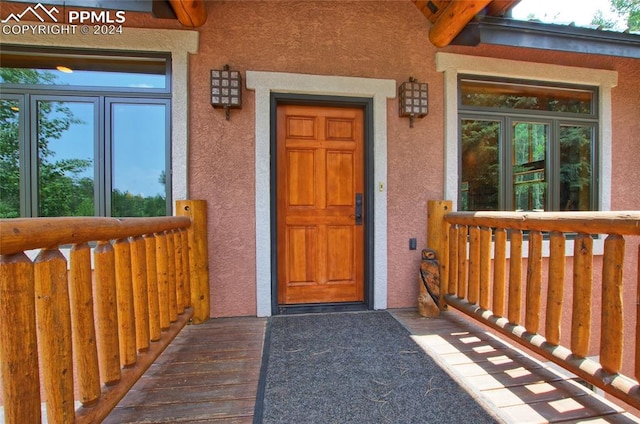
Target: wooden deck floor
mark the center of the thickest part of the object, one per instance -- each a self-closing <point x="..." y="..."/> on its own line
<point x="210" y="374"/>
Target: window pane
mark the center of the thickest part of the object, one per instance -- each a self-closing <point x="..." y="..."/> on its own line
<point x="480" y="186"/>
<point x="65" y="158"/>
<point x="139" y="145"/>
<point x="529" y="153"/>
<point x="531" y="97"/>
<point x="84" y="70"/>
<point x="576" y="145"/>
<point x="9" y="159"/>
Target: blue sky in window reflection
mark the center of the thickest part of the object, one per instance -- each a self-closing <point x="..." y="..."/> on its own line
<point x="109" y="79"/>
<point x="137" y="129"/>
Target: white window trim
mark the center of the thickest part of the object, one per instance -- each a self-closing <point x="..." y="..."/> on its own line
<point x="265" y="83"/>
<point x="454" y="64"/>
<point x="177" y="42"/>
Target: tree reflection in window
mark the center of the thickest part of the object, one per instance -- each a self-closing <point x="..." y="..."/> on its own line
<point x="480" y="171"/>
<point x="529" y="154"/>
<point x="576" y="145"/>
<point x="61" y="174"/>
<point x="527" y="146"/>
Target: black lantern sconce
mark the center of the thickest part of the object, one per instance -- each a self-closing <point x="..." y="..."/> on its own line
<point x="226" y="89"/>
<point x="413" y="96"/>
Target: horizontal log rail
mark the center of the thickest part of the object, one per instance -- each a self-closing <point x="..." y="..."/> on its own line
<point x="527" y="307"/>
<point x="19" y="234"/>
<point x="82" y="330"/>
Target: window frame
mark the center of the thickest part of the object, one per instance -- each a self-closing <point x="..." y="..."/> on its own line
<point x="554" y="121"/>
<point x="452" y="64"/>
<point x="108" y="144"/>
<point x="102" y="97"/>
<point x="178" y="43"/>
<point x="127" y="91"/>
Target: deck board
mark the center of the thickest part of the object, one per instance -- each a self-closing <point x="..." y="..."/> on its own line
<point x="210" y="374"/>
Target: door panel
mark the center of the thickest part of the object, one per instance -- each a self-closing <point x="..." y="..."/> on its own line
<point x="340" y="174"/>
<point x="320" y="172"/>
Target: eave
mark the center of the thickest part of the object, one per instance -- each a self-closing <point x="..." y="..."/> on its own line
<point x="449" y="17"/>
<point x="536" y="35"/>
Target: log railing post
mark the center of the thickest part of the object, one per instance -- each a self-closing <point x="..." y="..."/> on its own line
<point x="82" y="317"/>
<point x="473" y="290"/>
<point x="184" y="240"/>
<point x="162" y="262"/>
<point x="140" y="292"/>
<point x="484" y="295"/>
<point x="177" y="243"/>
<point x="534" y="283"/>
<point x="171" y="277"/>
<point x="54" y="334"/>
<point x="453" y="259"/>
<point x="198" y="256"/>
<point x="124" y="296"/>
<point x="499" y="272"/>
<point x="152" y="287"/>
<point x="514" y="311"/>
<point x="582" y="288"/>
<point x="19" y="349"/>
<point x="555" y="293"/>
<point x="462" y="261"/>
<point x="106" y="308"/>
<point x="438" y="240"/>
<point x="611" y="330"/>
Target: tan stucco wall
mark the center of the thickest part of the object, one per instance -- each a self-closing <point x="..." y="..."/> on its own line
<point x="359" y="39"/>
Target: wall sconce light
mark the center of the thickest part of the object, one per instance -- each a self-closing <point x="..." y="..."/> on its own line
<point x="226" y="89"/>
<point x="413" y="96"/>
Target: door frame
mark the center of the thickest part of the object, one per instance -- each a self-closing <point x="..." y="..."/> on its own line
<point x="366" y="104"/>
<point x="263" y="83"/>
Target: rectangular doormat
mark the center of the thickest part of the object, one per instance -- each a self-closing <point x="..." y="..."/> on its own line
<point x="354" y="368"/>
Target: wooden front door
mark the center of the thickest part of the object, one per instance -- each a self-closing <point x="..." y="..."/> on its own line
<point x="320" y="216"/>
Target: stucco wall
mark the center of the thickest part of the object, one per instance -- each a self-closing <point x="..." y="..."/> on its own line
<point x="386" y="40"/>
<point x="366" y="39"/>
<point x="377" y="40"/>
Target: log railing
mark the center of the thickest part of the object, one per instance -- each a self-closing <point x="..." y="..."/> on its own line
<point x="83" y="331"/>
<point x="482" y="274"/>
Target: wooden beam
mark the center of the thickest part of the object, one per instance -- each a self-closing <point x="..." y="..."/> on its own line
<point x="454" y="18"/>
<point x="191" y="13"/>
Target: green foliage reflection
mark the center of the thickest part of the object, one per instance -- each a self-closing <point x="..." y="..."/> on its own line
<point x="63" y="185"/>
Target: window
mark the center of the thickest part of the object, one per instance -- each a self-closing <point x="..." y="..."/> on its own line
<point x="84" y="134"/>
<point x="526" y="146"/>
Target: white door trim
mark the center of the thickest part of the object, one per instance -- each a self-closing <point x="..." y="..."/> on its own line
<point x="265" y="83"/>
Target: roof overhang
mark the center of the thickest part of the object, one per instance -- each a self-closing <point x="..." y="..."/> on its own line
<point x="537" y="35"/>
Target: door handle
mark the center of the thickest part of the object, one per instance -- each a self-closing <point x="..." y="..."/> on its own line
<point x="358" y="208"/>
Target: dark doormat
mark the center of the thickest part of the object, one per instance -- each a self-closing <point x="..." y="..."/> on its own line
<point x="354" y="368"/>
